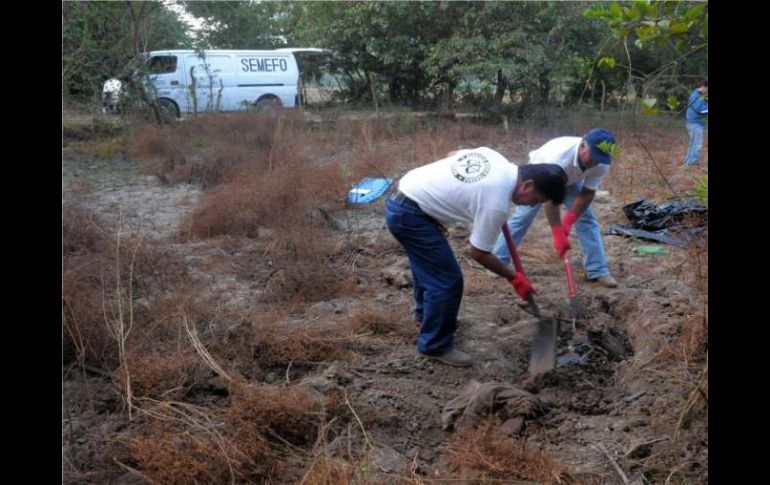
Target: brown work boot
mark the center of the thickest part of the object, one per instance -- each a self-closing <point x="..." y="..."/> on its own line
<point x="607" y="281"/>
<point x="454" y="357"/>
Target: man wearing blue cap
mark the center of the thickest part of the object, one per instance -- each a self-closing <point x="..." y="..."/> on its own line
<point x="586" y="161"/>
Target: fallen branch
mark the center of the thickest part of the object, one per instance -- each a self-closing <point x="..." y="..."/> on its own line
<point x="134" y="471"/>
<point x="634" y="397"/>
<point x="198" y="346"/>
<point x="614" y="463"/>
<point x="366" y="437"/>
<point x="644" y="443"/>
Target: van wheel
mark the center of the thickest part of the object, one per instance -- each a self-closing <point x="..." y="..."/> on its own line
<point x="268" y="106"/>
<point x="168" y="110"/>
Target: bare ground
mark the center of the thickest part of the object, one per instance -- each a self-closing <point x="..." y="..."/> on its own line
<point x="612" y="404"/>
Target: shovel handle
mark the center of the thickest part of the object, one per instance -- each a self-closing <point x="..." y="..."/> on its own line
<point x="512" y="250"/>
<point x="570" y="279"/>
<point x="517" y="264"/>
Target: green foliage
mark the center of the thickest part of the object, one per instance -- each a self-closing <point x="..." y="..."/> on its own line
<point x="507" y="57"/>
<point x="241" y="25"/>
<point x="701" y="190"/>
<point x="607" y="61"/>
<point x="423" y="51"/>
<point x="655" y="22"/>
<point x="97" y="41"/>
<point x="661" y="41"/>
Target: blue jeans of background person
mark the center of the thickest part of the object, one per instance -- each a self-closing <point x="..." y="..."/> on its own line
<point x="586" y="226"/>
<point x="695" y="132"/>
<point x="437" y="279"/>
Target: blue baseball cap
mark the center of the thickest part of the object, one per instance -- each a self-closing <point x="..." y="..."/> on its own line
<point x="602" y="144"/>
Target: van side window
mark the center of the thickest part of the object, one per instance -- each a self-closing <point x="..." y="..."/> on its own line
<point x="162" y="64"/>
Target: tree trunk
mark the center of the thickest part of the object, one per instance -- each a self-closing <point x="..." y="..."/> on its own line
<point x="136" y="18"/>
<point x="502" y="84"/>
<point x="604" y="92"/>
<point x="370" y="77"/>
<point x="450" y="95"/>
<point x="545" y="87"/>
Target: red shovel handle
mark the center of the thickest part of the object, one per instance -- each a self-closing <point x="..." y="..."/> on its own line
<point x="512" y="250"/>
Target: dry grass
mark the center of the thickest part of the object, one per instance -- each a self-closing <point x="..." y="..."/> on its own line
<point x="278" y="173"/>
<point x="88" y="270"/>
<point x="308" y="279"/>
<point x="482" y="454"/>
<point x="103" y="277"/>
<point x="94" y="136"/>
<point x="160" y="374"/>
<point x="327" y="470"/>
<point x="650" y="165"/>
<point x="264" y="434"/>
<point x="387" y="322"/>
<point x="281" y="343"/>
<point x="180" y="444"/>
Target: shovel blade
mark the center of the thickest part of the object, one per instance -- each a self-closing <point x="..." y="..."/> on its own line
<point x="543" y="358"/>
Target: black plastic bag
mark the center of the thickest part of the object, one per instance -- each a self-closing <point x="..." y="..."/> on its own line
<point x="643" y="214"/>
<point x="675" y="223"/>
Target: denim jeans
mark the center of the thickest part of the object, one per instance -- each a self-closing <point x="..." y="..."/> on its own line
<point x="437" y="279"/>
<point x="695" y="132"/>
<point x="586" y="226"/>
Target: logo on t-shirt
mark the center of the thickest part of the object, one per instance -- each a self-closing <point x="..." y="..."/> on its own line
<point x="470" y="167"/>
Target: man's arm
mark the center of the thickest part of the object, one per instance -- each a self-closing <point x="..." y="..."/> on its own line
<point x="518" y="280"/>
<point x="552" y="213"/>
<point x="579" y="205"/>
<point x="582" y="201"/>
<point x="490" y="261"/>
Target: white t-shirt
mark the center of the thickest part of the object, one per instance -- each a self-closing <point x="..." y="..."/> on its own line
<point x="563" y="151"/>
<point x="473" y="186"/>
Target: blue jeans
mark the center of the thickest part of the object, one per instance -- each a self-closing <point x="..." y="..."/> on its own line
<point x="695" y="132"/>
<point x="586" y="226"/>
<point x="437" y="279"/>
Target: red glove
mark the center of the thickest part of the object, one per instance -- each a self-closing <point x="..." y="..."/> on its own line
<point x="522" y="285"/>
<point x="566" y="223"/>
<point x="560" y="241"/>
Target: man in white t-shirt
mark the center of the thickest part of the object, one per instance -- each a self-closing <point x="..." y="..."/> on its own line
<point x="473" y="186"/>
<point x="586" y="161"/>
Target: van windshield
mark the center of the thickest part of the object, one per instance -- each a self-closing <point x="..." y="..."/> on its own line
<point x="162" y="64"/>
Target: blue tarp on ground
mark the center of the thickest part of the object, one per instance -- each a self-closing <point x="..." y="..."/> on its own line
<point x="368" y="190"/>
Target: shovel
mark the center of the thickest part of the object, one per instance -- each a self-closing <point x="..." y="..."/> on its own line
<point x="543" y="358"/>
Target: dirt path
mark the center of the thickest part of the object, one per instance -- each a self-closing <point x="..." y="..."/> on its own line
<point x="116" y="189"/>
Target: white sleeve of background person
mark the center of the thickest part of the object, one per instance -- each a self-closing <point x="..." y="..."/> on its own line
<point x="595" y="175"/>
<point x="562" y="151"/>
<point x="472" y="186"/>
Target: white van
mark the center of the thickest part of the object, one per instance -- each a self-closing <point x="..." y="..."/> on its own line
<point x="187" y="81"/>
